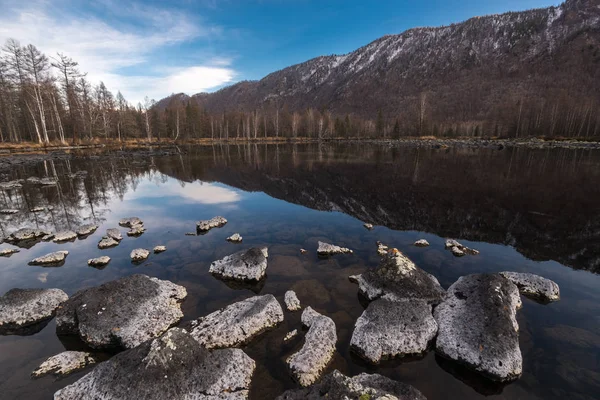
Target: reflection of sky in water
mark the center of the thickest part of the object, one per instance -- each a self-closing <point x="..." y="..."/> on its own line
<point x="557" y="340"/>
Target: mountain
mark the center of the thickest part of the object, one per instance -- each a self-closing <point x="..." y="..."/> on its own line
<point x="489" y="68"/>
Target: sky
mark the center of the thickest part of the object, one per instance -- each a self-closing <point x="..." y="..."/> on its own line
<point x="156" y="48"/>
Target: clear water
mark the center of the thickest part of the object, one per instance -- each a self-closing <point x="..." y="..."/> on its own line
<point x="525" y="210"/>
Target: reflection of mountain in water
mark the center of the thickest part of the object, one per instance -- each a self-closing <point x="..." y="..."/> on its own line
<point x="545" y="203"/>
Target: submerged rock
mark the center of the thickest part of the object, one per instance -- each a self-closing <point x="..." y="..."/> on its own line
<point x="20" y="308"/>
<point x="159" y="249"/>
<point x="114" y="234"/>
<point x="458" y="249"/>
<point x="421" y="243"/>
<point x="53" y="258"/>
<point x="237" y="323"/>
<point x="64" y="236"/>
<point x="310" y="361"/>
<point x="99" y="261"/>
<point x="534" y="286"/>
<point x="236" y="238"/>
<point x="107" y="242"/>
<point x="361" y="387"/>
<point x="292" y="302"/>
<point x="478" y="326"/>
<point x="398" y="277"/>
<point x="139" y="255"/>
<point x="245" y="265"/>
<point x="172" y="367"/>
<point x="207" y="225"/>
<point x="388" y="329"/>
<point x="8" y="252"/>
<point x="329" y="249"/>
<point x="86" y="230"/>
<point x="64" y="364"/>
<point x="130" y="222"/>
<point x="122" y="313"/>
<point x="26" y="234"/>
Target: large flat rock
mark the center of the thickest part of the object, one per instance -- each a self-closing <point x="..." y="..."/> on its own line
<point x="26" y="234"/>
<point x="237" y="323"/>
<point x="172" y="367"/>
<point x="21" y="308"/>
<point x="534" y="286"/>
<point x="122" y="313"/>
<point x="388" y="329"/>
<point x="361" y="387"/>
<point x="245" y="265"/>
<point x="50" y="259"/>
<point x="478" y="326"/>
<point x="310" y="361"/>
<point x="399" y="278"/>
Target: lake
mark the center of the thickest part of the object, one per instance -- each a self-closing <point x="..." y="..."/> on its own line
<point x="523" y="209"/>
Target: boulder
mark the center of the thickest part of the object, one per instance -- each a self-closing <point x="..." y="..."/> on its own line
<point x="130" y="222"/>
<point x="534" y="286"/>
<point x="245" y="265"/>
<point x="207" y="225"/>
<point x="99" y="261"/>
<point x="421" y="243"/>
<point x="64" y="236"/>
<point x="26" y="234"/>
<point x="53" y="258"/>
<point x="138" y="255"/>
<point x="477" y="326"/>
<point x="398" y="277"/>
<point x="107" y="242"/>
<point x="292" y="302"/>
<point x="114" y="234"/>
<point x="159" y="249"/>
<point x="122" y="313"/>
<point x="8" y="252"/>
<point x="326" y="249"/>
<point x="388" y="329"/>
<point x="237" y="323"/>
<point x="235" y="238"/>
<point x="64" y="364"/>
<point x="20" y="308"/>
<point x="361" y="387"/>
<point x="310" y="361"/>
<point x="172" y="367"/>
<point x="86" y="230"/>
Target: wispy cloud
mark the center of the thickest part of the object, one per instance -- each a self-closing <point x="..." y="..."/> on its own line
<point x="128" y="47"/>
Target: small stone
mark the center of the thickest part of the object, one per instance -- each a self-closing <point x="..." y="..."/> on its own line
<point x="236" y="238"/>
<point x="207" y="225"/>
<point x="99" y="261"/>
<point x="48" y="181"/>
<point x="9" y="211"/>
<point x="311" y="360"/>
<point x="245" y="265"/>
<point x="382" y="249"/>
<point x="86" y="230"/>
<point x="457" y="252"/>
<point x="191" y="234"/>
<point x="159" y="249"/>
<point x="291" y="301"/>
<point x="114" y="234"/>
<point x="421" y="243"/>
<point x="8" y="252"/>
<point x="107" y="242"/>
<point x="64" y="236"/>
<point x="139" y="255"/>
<point x="303" y="251"/>
<point x="290" y="335"/>
<point x="329" y="249"/>
<point x="64" y="364"/>
<point x="37" y="209"/>
<point x="20" y="308"/>
<point x="534" y="286"/>
<point x="368" y="226"/>
<point x="53" y="258"/>
<point x="130" y="222"/>
<point x="458" y="249"/>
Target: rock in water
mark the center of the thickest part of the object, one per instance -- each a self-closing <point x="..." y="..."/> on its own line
<point x="245" y="265"/>
<point x="398" y="277"/>
<point x="422" y="243"/>
<point x="26" y="234"/>
<point x="207" y="225"/>
<point x="160" y="249"/>
<point x="136" y="230"/>
<point x="308" y="364"/>
<point x="64" y="364"/>
<point x="290" y="335"/>
<point x="478" y="326"/>
<point x="130" y="222"/>
<point x="388" y="329"/>
<point x="114" y="234"/>
<point x="534" y="286"/>
<point x="53" y="258"/>
<point x="237" y="323"/>
<point x="457" y="252"/>
<point x="86" y="230"/>
<point x="107" y="242"/>
<point x="361" y="387"/>
<point x="325" y="249"/>
<point x="292" y="302"/>
<point x="8" y="252"/>
<point x="368" y="226"/>
<point x="122" y="313"/>
<point x="64" y="236"/>
<point x="236" y="238"/>
<point x="382" y="249"/>
<point x="99" y="262"/>
<point x="20" y="308"/>
<point x="139" y="255"/>
<point x="9" y="211"/>
<point x="171" y="367"/>
<point x="37" y="209"/>
<point x="458" y="249"/>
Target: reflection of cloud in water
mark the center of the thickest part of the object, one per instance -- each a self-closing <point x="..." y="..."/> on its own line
<point x="196" y="192"/>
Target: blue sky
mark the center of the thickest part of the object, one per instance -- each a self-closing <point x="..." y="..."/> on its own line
<point x="156" y="48"/>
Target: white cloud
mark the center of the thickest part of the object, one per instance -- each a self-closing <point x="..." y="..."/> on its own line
<point x="196" y="192"/>
<point x="133" y="37"/>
